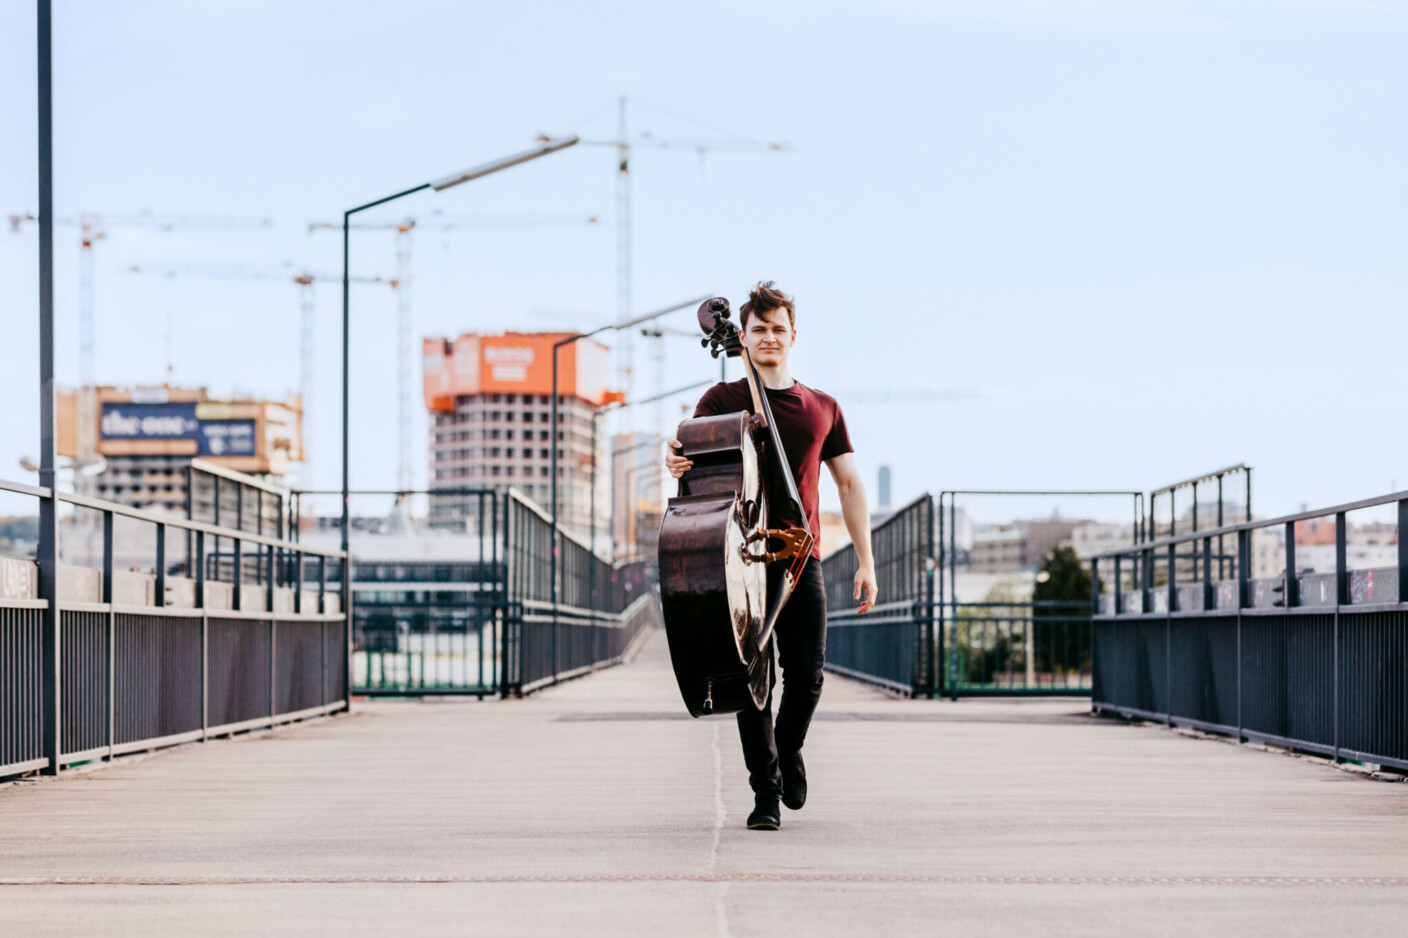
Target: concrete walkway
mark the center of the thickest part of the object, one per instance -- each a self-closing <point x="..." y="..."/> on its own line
<point x="597" y="808"/>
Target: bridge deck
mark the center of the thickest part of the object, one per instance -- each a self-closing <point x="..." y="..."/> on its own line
<point x="595" y="808"/>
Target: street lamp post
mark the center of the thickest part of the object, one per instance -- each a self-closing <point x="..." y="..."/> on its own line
<point x="439" y="185"/>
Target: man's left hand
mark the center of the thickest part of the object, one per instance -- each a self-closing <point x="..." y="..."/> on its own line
<point x="865" y="583"/>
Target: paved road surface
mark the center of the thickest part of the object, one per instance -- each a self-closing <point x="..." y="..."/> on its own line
<point x="596" y="809"/>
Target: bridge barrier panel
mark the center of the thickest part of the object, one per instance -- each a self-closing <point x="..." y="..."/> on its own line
<point x="1320" y="667"/>
<point x="128" y="674"/>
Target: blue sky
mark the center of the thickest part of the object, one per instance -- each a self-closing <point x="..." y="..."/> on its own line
<point x="1157" y="238"/>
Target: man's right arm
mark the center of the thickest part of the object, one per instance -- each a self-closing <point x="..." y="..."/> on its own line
<point x="708" y="406"/>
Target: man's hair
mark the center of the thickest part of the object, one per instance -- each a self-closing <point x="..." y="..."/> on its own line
<point x="764" y="299"/>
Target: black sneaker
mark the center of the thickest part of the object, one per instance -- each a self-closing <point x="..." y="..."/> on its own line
<point x="794" y="781"/>
<point x="766" y="816"/>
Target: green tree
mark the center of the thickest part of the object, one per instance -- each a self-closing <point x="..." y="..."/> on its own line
<point x="19" y="529"/>
<point x="1061" y="613"/>
<point x="985" y="645"/>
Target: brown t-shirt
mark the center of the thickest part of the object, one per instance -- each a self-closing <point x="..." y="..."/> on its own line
<point x="811" y="428"/>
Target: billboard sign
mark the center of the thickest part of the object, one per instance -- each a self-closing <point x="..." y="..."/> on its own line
<point x="183" y="421"/>
<point x="121" y="421"/>
<point x="226" y="438"/>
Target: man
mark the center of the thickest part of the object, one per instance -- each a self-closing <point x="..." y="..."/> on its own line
<point x="812" y="431"/>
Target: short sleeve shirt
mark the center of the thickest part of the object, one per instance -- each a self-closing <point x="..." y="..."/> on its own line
<point x="810" y="425"/>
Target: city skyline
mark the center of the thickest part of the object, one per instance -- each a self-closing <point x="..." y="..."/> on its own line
<point x="1035" y="201"/>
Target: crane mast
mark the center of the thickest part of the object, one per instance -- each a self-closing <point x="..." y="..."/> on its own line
<point x="405" y="326"/>
<point x="93" y="227"/>
<point x="623" y="145"/>
<point x="304" y="280"/>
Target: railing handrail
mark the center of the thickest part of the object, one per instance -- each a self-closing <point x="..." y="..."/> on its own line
<point x="517" y="496"/>
<point x="892" y="516"/>
<point x="1252" y="525"/>
<point x="19" y="488"/>
<point x="1240" y="467"/>
<point x="171" y="521"/>
<point x="210" y="468"/>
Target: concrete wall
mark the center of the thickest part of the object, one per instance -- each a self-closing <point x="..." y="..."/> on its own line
<point x="19" y="579"/>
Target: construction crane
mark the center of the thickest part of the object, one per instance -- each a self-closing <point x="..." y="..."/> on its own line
<point x="93" y="227"/>
<point x="404" y="364"/>
<point x="624" y="144"/>
<point x="304" y="279"/>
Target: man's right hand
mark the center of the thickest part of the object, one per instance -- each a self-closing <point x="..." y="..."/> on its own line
<point x="676" y="463"/>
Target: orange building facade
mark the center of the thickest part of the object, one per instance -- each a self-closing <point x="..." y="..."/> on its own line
<point x="512" y="363"/>
<point x="490" y="403"/>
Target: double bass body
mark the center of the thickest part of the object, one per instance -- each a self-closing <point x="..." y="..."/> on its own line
<point x="712" y="570"/>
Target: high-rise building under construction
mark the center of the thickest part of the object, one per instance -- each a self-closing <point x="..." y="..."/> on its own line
<point x="490" y="399"/>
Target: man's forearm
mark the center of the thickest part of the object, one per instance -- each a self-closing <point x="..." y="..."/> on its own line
<point x="857" y="518"/>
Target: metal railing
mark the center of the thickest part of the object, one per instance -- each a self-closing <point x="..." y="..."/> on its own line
<point x="433" y="625"/>
<point x="603" y="610"/>
<point x="1039" y="647"/>
<point x="895" y="644"/>
<point x="114" y="673"/>
<point x="485" y="624"/>
<point x="914" y="643"/>
<point x="1314" y="661"/>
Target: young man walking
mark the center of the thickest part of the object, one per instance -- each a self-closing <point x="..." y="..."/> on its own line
<point x="813" y="432"/>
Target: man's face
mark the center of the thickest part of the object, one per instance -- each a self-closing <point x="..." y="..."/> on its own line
<point x="769" y="337"/>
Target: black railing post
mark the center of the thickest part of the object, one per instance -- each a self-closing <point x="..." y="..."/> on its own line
<point x="160" y="590"/>
<point x="204" y="637"/>
<point x="1221" y="549"/>
<point x="106" y="595"/>
<point x="1168" y="631"/>
<point x="1209" y="597"/>
<point x="269" y="580"/>
<point x="1244" y="574"/>
<point x="1341" y="599"/>
<point x="1244" y="554"/>
<point x="236" y="577"/>
<point x="273" y="674"/>
<point x="1402" y="549"/>
<point x="106" y="592"/>
<point x="47" y="550"/>
<point x="1095" y="586"/>
<point x="1290" y="593"/>
<point x="1119" y="584"/>
<point x="937" y="647"/>
<point x="1146" y="563"/>
<point x="953" y="597"/>
<point x="1341" y="561"/>
<point x="1172" y="578"/>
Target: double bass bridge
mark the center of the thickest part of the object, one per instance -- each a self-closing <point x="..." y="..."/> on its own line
<point x="795" y="541"/>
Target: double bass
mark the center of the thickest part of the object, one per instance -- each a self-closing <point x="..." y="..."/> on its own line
<point x="737" y="512"/>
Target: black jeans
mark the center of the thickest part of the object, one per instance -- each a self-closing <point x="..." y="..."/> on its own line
<point x="800" y="638"/>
